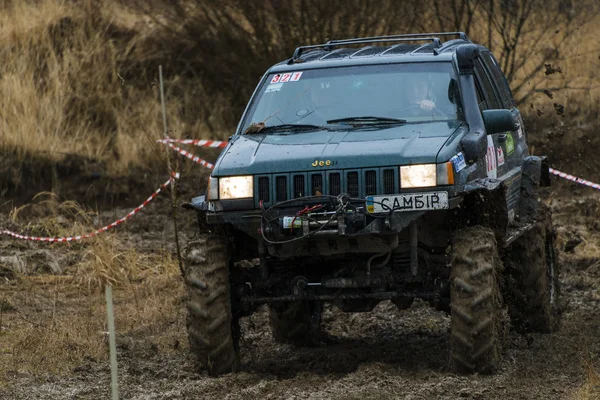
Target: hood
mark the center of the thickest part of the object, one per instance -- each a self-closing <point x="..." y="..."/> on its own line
<point x="397" y="145"/>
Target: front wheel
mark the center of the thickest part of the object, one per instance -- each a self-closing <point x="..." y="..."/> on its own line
<point x="476" y="304"/>
<point x="212" y="330"/>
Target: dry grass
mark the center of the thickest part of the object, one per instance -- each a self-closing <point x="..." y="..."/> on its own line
<point x="80" y="78"/>
<point x="52" y="324"/>
<point x="72" y="83"/>
<point x="590" y="390"/>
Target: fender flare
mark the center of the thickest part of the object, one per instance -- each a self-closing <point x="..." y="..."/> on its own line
<point x="485" y="203"/>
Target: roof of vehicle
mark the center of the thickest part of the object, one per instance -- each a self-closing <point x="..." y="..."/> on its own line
<point x="428" y="48"/>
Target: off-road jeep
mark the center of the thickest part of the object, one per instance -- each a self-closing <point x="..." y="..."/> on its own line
<point x="372" y="169"/>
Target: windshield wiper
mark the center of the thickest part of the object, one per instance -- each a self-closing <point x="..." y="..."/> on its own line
<point x="257" y="129"/>
<point x="367" y="120"/>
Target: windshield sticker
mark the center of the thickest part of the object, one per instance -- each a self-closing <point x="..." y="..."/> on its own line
<point x="296" y="76"/>
<point x="510" y="144"/>
<point x="458" y="161"/>
<point x="500" y="156"/>
<point x="274" y="87"/>
<point x="276" y="78"/>
<point x="285" y="78"/>
<point x="490" y="159"/>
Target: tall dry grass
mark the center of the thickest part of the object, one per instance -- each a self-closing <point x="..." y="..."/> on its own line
<point x="73" y="82"/>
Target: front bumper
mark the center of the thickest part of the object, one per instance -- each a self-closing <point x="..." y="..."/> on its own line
<point x="286" y="222"/>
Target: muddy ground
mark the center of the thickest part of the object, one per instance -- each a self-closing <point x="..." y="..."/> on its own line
<point x="383" y="354"/>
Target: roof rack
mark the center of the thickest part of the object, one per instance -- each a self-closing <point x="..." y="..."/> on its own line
<point x="411" y="37"/>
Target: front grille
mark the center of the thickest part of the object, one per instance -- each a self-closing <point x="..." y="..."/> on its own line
<point x="356" y="183"/>
<point x="352" y="181"/>
<point x="263" y="189"/>
<point x="281" y="188"/>
<point x="370" y="183"/>
<point x="335" y="186"/>
<point x="299" y="186"/>
<point x="316" y="184"/>
<point x="389" y="182"/>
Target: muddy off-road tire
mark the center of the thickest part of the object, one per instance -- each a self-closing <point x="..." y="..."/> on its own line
<point x="532" y="278"/>
<point x="296" y="323"/>
<point x="476" y="303"/>
<point x="213" y="333"/>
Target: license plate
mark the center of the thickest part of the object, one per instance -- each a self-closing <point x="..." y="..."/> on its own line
<point x="408" y="202"/>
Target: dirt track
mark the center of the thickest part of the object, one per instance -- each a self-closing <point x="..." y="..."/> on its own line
<point x="384" y="354"/>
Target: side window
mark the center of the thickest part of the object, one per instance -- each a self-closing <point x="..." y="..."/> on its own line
<point x="486" y="87"/>
<point x="501" y="84"/>
<point x="480" y="99"/>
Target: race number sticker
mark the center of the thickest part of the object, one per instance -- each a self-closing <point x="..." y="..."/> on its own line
<point x="490" y="159"/>
<point x="296" y="76"/>
<point x="276" y="78"/>
<point x="500" y="156"/>
<point x="285" y="78"/>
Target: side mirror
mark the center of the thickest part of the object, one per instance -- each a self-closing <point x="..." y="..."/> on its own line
<point x="498" y="121"/>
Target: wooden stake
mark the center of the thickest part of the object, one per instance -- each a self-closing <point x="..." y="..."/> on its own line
<point x="112" y="343"/>
<point x="173" y="183"/>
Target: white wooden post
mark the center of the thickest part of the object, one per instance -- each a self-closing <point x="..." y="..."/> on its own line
<point x="112" y="344"/>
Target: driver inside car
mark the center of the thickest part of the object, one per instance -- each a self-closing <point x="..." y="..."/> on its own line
<point x="420" y="96"/>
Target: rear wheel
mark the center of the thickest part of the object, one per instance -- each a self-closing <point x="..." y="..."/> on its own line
<point x="213" y="332"/>
<point x="476" y="304"/>
<point x="296" y="322"/>
<point x="532" y="271"/>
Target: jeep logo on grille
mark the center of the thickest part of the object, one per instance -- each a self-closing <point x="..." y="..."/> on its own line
<point x="322" y="163"/>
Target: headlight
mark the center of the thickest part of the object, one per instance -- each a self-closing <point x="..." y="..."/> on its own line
<point x="413" y="176"/>
<point x="235" y="187"/>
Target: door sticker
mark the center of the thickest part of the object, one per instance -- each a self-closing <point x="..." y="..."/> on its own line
<point x="458" y="161"/>
<point x="510" y="143"/>
<point x="490" y="159"/>
<point x="500" y="156"/>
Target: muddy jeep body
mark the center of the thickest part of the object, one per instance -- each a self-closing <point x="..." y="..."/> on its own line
<point x="327" y="216"/>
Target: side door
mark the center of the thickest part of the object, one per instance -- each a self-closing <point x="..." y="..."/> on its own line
<point x="509" y="147"/>
<point x="489" y="100"/>
<point x="516" y="141"/>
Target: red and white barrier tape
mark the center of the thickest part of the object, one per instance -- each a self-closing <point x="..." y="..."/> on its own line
<point x="574" y="179"/>
<point x="197" y="142"/>
<point x="191" y="156"/>
<point x="89" y="235"/>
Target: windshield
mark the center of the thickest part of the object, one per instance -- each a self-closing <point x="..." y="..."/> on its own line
<point x="406" y="93"/>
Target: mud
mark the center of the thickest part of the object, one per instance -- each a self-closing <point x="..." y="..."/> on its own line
<point x="384" y="354"/>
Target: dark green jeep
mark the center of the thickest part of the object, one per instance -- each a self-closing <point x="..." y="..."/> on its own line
<point x="363" y="170"/>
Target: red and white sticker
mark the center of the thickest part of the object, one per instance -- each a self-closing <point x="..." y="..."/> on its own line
<point x="287" y="77"/>
<point x="500" y="156"/>
<point x="490" y="159"/>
